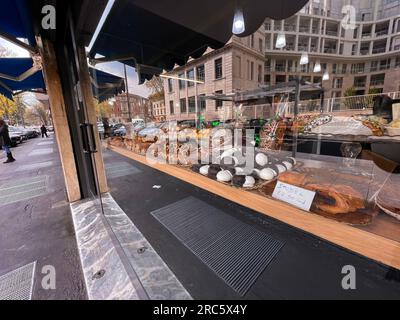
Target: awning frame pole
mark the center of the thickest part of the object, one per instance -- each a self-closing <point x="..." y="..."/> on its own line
<point x="18" y="43"/>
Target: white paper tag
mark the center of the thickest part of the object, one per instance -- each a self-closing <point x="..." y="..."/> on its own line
<point x="293" y="195"/>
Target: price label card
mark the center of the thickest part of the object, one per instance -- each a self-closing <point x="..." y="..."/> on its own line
<point x="293" y="195"/>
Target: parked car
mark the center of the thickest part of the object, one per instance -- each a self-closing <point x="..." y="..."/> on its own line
<point x="153" y="131"/>
<point x="18" y="132"/>
<point x="15" y="138"/>
<point x="31" y="133"/>
<point x="120" y="132"/>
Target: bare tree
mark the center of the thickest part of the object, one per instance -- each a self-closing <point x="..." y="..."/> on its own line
<point x="156" y="85"/>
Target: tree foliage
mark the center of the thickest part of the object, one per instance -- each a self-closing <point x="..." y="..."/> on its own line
<point x="103" y="109"/>
<point x="8" y="108"/>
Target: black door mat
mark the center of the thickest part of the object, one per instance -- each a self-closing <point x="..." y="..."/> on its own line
<point x="236" y="252"/>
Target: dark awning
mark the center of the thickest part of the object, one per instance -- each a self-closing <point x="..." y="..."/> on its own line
<point x="19" y="74"/>
<point x="105" y="85"/>
<point x="161" y="33"/>
<point x="15" y="20"/>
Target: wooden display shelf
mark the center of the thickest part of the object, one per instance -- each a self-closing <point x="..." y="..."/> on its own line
<point x="370" y="245"/>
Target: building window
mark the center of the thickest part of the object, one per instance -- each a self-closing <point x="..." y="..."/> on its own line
<point x="192" y="104"/>
<point x="171" y="107"/>
<point x="219" y="103"/>
<point x="385" y="64"/>
<point x="260" y="45"/>
<point x="357" y="67"/>
<point x="397" y="63"/>
<point x="170" y="85"/>
<point x="218" y="68"/>
<point x="183" y="105"/>
<point x="190" y="75"/>
<point x="182" y="83"/>
<point x="260" y="73"/>
<point x="337" y="83"/>
<point x="252" y="70"/>
<point x="201" y="103"/>
<point x="252" y="41"/>
<point x="237" y="68"/>
<point x="200" y="72"/>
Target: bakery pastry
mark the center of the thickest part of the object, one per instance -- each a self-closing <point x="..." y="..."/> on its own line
<point x="267" y="174"/>
<point x="294" y="178"/>
<point x="224" y="176"/>
<point x="261" y="159"/>
<point x="336" y="199"/>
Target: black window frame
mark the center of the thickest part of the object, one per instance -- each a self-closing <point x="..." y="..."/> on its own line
<point x="218" y="69"/>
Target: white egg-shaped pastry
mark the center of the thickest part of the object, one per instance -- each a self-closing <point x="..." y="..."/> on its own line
<point x="281" y="168"/>
<point x="204" y="170"/>
<point x="239" y="170"/>
<point x="267" y="174"/>
<point x="250" y="182"/>
<point x="261" y="159"/>
<point x="288" y="165"/>
<point x="293" y="160"/>
<point x="257" y="172"/>
<point x="224" y="176"/>
<point x="230" y="160"/>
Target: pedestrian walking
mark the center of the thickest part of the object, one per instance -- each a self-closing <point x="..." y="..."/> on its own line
<point x="5" y="141"/>
<point x="43" y="129"/>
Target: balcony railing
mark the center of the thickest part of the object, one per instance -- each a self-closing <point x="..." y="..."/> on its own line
<point x="360" y="84"/>
<point x="364" y="52"/>
<point x="380" y="82"/>
<point x="304" y="29"/>
<point x="290" y="27"/>
<point x="330" y="50"/>
<point x="331" y="33"/>
<point x="378" y="50"/>
<point x="381" y="33"/>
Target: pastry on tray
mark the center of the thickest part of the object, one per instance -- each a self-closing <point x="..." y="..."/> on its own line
<point x="388" y="198"/>
<point x="330" y="198"/>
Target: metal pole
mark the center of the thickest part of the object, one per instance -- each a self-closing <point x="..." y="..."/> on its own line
<point x="295" y="113"/>
<point x="127" y="94"/>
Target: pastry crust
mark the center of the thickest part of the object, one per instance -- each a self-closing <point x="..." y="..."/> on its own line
<point x="336" y="199"/>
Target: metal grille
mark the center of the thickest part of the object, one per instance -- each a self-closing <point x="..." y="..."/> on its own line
<point x="18" y="284"/>
<point x="236" y="252"/>
<point x="120" y="169"/>
<point x="41" y="152"/>
<point x="22" y="190"/>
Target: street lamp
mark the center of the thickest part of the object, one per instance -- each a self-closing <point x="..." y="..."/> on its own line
<point x="238" y="26"/>
<point x="317" y="67"/>
<point x="280" y="41"/>
<point x="304" y="58"/>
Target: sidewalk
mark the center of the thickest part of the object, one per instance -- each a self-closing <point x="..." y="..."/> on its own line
<point x="35" y="220"/>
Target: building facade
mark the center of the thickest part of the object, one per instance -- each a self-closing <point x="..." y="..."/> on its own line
<point x="158" y="110"/>
<point x="139" y="108"/>
<point x="237" y="66"/>
<point x="364" y="56"/>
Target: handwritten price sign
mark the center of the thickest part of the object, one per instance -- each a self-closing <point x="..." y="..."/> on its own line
<point x="293" y="195"/>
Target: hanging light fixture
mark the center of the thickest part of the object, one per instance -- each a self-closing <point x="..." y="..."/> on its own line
<point x="325" y="76"/>
<point x="280" y="41"/>
<point x="317" y="67"/>
<point x="238" y="26"/>
<point x="304" y="58"/>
